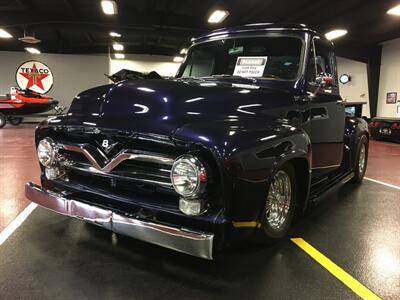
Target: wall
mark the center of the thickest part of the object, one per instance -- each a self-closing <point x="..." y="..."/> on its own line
<point x="76" y="73"/>
<point x="163" y="65"/>
<point x="389" y="78"/>
<point x="72" y="73"/>
<point x="357" y="88"/>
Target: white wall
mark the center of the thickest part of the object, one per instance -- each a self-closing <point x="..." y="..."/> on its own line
<point x="163" y="65"/>
<point x="389" y="78"/>
<point x="72" y="73"/>
<point x="357" y="88"/>
<point x="76" y="73"/>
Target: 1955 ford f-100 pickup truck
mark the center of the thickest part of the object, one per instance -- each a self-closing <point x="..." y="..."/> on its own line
<point x="251" y="130"/>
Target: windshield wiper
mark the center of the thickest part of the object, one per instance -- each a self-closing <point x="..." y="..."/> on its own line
<point x="188" y="78"/>
<point x="230" y="76"/>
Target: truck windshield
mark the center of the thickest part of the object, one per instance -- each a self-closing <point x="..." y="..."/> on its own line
<point x="254" y="57"/>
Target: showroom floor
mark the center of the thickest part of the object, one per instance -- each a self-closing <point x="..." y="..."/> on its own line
<point x="53" y="257"/>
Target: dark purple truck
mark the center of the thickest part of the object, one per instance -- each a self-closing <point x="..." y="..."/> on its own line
<point x="251" y="130"/>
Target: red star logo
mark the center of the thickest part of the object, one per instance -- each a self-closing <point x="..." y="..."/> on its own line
<point x="34" y="78"/>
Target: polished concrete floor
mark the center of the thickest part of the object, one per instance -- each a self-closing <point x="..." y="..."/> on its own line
<point x="53" y="257"/>
<point x="18" y="164"/>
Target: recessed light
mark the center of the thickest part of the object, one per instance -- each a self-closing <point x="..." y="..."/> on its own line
<point x="32" y="50"/>
<point x="115" y="34"/>
<point x="119" y="56"/>
<point x="4" y="34"/>
<point x="394" y="11"/>
<point x="178" y="59"/>
<point x="334" y="34"/>
<point x="218" y="16"/>
<point x="183" y="51"/>
<point x="118" y="47"/>
<point x="109" y="7"/>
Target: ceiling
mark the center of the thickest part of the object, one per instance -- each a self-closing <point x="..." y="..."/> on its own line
<point x="165" y="26"/>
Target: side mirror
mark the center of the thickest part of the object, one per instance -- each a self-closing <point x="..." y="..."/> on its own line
<point x="324" y="79"/>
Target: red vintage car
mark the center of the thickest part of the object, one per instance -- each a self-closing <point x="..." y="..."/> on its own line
<point x="19" y="103"/>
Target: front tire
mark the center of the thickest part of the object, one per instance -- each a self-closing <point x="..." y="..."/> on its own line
<point x="279" y="207"/>
<point x="3" y="120"/>
<point x="360" y="163"/>
<point x="15" y="121"/>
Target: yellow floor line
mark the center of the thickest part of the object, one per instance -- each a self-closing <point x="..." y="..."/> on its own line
<point x="335" y="270"/>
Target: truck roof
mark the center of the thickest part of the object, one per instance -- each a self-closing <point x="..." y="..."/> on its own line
<point x="257" y="27"/>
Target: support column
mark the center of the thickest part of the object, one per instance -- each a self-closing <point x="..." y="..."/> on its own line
<point x="373" y="73"/>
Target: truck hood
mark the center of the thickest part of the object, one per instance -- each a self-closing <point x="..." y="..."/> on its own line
<point x="164" y="107"/>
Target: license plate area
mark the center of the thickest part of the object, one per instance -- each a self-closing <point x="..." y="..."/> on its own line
<point x="386" y="131"/>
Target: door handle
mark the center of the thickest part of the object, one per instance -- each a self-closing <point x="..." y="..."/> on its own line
<point x="339" y="102"/>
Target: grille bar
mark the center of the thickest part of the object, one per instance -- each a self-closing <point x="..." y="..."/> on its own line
<point x="134" y="176"/>
<point x="139" y="166"/>
<point x="127" y="154"/>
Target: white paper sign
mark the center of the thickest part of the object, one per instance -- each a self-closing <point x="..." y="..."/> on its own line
<point x="250" y="66"/>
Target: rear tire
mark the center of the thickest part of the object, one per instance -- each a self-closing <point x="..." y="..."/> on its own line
<point x="360" y="163"/>
<point x="15" y="121"/>
<point x="3" y="120"/>
<point x="278" y="212"/>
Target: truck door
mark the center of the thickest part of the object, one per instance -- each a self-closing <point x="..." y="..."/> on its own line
<point x="326" y="109"/>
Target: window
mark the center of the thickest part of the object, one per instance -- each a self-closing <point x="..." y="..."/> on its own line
<point x="321" y="61"/>
<point x="281" y="57"/>
<point x="201" y="64"/>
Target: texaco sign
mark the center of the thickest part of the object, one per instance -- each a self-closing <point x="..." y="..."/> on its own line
<point x="35" y="76"/>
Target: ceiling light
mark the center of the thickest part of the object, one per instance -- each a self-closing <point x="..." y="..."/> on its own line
<point x="115" y="34"/>
<point x="119" y="56"/>
<point x="4" y="34"/>
<point x="178" y="59"/>
<point x="394" y="11"/>
<point x="32" y="50"/>
<point x="218" y="16"/>
<point x="109" y="7"/>
<point x="118" y="47"/>
<point x="183" y="51"/>
<point x="334" y="34"/>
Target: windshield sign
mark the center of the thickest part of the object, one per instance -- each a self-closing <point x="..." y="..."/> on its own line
<point x="250" y="66"/>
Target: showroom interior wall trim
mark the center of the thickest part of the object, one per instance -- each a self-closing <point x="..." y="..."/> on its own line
<point x="389" y="77"/>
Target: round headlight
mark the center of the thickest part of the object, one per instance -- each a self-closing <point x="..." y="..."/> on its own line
<point x="46" y="152"/>
<point x="188" y="176"/>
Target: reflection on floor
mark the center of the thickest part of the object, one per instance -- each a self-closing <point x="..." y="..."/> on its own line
<point x="53" y="257"/>
<point x="18" y="164"/>
<point x="384" y="162"/>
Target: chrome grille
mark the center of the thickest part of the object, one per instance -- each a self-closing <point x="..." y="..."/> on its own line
<point x="128" y="164"/>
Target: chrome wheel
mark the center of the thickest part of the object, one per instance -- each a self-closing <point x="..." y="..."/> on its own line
<point x="278" y="200"/>
<point x="361" y="159"/>
<point x="2" y="120"/>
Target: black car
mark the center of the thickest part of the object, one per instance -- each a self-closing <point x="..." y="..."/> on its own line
<point x="251" y="130"/>
<point x="385" y="129"/>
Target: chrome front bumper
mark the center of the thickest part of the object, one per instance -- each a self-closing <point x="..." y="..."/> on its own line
<point x="191" y="242"/>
